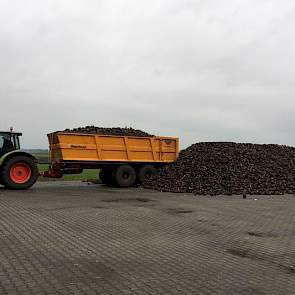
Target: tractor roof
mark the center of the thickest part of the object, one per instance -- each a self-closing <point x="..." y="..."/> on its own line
<point x="8" y="132"/>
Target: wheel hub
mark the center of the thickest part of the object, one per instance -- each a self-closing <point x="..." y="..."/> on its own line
<point x="125" y="175"/>
<point x="148" y="175"/>
<point x="20" y="173"/>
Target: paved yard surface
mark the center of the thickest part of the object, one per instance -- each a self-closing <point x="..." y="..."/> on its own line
<point x="74" y="238"/>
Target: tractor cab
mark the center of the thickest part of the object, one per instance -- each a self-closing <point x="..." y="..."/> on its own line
<point x="9" y="141"/>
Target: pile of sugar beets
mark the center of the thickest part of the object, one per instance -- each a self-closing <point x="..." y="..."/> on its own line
<point x="215" y="168"/>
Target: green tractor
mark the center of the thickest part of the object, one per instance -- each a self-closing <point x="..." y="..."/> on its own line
<point x="18" y="169"/>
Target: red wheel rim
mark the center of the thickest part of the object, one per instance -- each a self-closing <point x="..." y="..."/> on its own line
<point x="20" y="173"/>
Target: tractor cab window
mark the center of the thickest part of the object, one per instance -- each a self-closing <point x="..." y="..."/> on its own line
<point x="16" y="142"/>
<point x="7" y="143"/>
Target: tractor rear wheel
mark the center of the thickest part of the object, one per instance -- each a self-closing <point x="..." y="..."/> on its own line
<point x="125" y="176"/>
<point x="20" y="172"/>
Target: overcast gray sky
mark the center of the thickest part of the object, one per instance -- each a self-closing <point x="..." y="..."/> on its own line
<point x="198" y="69"/>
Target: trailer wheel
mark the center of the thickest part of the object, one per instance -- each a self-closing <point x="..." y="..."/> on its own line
<point x="19" y="173"/>
<point x="106" y="176"/>
<point x="146" y="172"/>
<point x="125" y="176"/>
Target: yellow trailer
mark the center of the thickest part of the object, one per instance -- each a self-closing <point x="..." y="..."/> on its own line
<point x="122" y="160"/>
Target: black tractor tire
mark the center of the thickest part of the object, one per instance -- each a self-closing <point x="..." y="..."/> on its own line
<point x="146" y="172"/>
<point x="19" y="172"/>
<point x="106" y="176"/>
<point x="125" y="176"/>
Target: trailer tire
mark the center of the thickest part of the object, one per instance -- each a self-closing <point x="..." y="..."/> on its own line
<point x="19" y="172"/>
<point x="146" y="172"/>
<point x="125" y="176"/>
<point x="106" y="176"/>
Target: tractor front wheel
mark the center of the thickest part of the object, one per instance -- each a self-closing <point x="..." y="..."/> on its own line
<point x="19" y="173"/>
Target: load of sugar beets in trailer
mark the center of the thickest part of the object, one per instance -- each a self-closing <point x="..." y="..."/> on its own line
<point x="126" y="157"/>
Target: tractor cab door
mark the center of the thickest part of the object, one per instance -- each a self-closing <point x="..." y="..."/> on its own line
<point x="8" y="143"/>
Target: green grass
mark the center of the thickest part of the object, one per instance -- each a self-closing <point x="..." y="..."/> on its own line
<point x="37" y="155"/>
<point x="42" y="157"/>
<point x="88" y="174"/>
